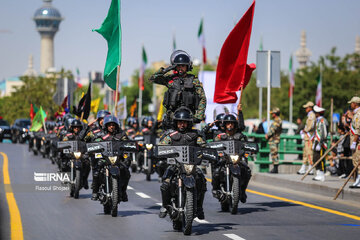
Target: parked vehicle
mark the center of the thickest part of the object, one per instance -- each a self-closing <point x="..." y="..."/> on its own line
<point x="20" y="130"/>
<point x="5" y="131"/>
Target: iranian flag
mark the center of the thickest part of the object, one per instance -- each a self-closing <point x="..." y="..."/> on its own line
<point x="142" y="69"/>
<point x="201" y="38"/>
<point x="318" y="99"/>
<point x="291" y="77"/>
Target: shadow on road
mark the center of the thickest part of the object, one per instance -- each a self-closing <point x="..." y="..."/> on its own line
<point x="275" y="204"/>
<point x="132" y="213"/>
<point x="208" y="228"/>
<point x="243" y="211"/>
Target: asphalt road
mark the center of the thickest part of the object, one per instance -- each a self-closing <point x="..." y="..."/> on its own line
<point x="54" y="215"/>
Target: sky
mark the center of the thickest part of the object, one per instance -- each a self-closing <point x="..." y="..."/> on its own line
<point x="328" y="23"/>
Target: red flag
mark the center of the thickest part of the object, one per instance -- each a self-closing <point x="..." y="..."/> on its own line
<point x="32" y="113"/>
<point x="232" y="72"/>
<point x="64" y="103"/>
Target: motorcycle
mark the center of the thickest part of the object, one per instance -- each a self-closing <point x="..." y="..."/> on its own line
<point x="183" y="185"/>
<point x="110" y="155"/>
<point x="36" y="145"/>
<point x="45" y="144"/>
<point x="75" y="151"/>
<point x="234" y="172"/>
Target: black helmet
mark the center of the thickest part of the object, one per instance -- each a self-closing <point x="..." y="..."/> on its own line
<point x="68" y="122"/>
<point x="67" y="116"/>
<point x="102" y="114"/>
<point x="111" y="119"/>
<point x="76" y="123"/>
<point x="180" y="57"/>
<point x="230" y="118"/>
<point x="132" y="120"/>
<point x="50" y="125"/>
<point x="220" y="118"/>
<point x="146" y="121"/>
<point x="183" y="114"/>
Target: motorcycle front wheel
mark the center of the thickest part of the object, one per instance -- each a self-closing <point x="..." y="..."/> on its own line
<point x="188" y="215"/>
<point x="114" y="197"/>
<point x="77" y="184"/>
<point x="234" y="200"/>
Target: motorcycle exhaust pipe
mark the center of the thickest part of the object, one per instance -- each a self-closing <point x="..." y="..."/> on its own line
<point x="180" y="195"/>
<point x="227" y="180"/>
<point x="145" y="159"/>
<point x="72" y="173"/>
<point x="107" y="183"/>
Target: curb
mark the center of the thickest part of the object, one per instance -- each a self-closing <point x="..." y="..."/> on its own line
<point x="318" y="188"/>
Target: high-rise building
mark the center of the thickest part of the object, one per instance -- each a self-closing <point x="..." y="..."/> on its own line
<point x="303" y="53"/>
<point x="47" y="19"/>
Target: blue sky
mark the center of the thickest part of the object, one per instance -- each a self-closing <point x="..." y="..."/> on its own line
<point x="328" y="23"/>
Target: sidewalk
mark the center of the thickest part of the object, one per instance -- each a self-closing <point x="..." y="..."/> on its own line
<point x="293" y="181"/>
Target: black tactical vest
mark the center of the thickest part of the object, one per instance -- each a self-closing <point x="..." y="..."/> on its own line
<point x="181" y="93"/>
<point x="236" y="136"/>
<point x="117" y="137"/>
<point x="188" y="139"/>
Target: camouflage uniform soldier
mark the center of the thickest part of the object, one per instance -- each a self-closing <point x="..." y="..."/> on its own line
<point x="355" y="133"/>
<point x="273" y="137"/>
<point x="183" y="89"/>
<point x="319" y="142"/>
<point x="184" y="135"/>
<point x="306" y="135"/>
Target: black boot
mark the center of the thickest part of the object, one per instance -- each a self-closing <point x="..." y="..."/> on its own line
<point x="165" y="197"/>
<point x="85" y="176"/>
<point x="245" y="178"/>
<point x="275" y="169"/>
<point x="200" y="210"/>
<point x="95" y="189"/>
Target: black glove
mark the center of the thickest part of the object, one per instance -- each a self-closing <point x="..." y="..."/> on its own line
<point x="171" y="67"/>
<point x="196" y="120"/>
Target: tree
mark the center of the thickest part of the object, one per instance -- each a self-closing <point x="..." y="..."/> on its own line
<point x="38" y="91"/>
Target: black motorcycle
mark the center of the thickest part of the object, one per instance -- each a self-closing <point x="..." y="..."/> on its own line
<point x="183" y="185"/>
<point x="36" y="142"/>
<point x="75" y="152"/>
<point x="234" y="172"/>
<point x="45" y="144"/>
<point x="112" y="157"/>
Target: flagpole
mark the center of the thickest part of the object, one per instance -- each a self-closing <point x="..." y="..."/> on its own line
<point x="140" y="102"/>
<point x="260" y="102"/>
<point x="117" y="89"/>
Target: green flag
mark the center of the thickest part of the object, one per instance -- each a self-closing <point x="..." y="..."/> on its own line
<point x="111" y="31"/>
<point x="38" y="120"/>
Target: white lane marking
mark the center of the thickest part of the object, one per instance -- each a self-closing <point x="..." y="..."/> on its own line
<point x="143" y="195"/>
<point x="200" y="221"/>
<point x="130" y="188"/>
<point x="233" y="236"/>
<point x="159" y="203"/>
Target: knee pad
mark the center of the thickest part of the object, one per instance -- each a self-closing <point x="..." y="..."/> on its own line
<point x="165" y="186"/>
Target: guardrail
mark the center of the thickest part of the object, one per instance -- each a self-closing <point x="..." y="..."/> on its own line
<point x="289" y="144"/>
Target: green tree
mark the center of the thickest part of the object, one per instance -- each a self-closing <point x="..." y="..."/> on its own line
<point x="38" y="91"/>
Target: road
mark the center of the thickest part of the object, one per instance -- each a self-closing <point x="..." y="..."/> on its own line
<point x="54" y="215"/>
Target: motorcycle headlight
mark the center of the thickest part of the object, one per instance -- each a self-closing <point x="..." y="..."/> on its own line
<point x="24" y="129"/>
<point x="77" y="155"/>
<point x="113" y="159"/>
<point x="1" y="130"/>
<point x="149" y="146"/>
<point x="188" y="168"/>
<point x="234" y="158"/>
<point x="125" y="156"/>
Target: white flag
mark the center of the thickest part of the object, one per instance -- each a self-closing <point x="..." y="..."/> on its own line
<point x="121" y="108"/>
